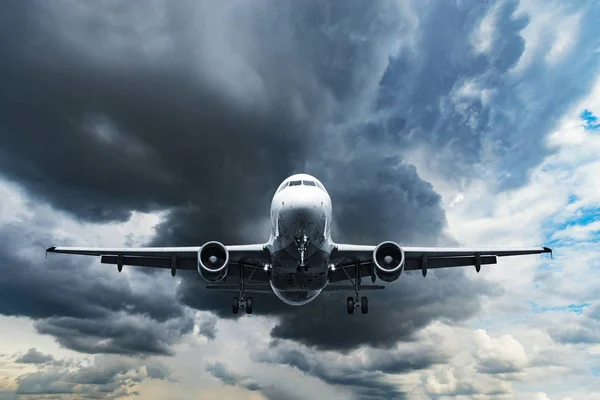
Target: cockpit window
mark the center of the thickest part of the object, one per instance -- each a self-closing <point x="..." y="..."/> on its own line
<point x="283" y="187"/>
<point x="301" y="183"/>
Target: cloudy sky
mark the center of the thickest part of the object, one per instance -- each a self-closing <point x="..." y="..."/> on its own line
<point x="128" y="123"/>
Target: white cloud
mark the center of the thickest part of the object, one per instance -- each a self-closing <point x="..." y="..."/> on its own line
<point x="541" y="396"/>
<point x="567" y="31"/>
<point x="578" y="232"/>
<point x="482" y="37"/>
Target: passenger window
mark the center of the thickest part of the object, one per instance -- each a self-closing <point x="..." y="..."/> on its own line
<point x="295" y="183"/>
<point x="309" y="183"/>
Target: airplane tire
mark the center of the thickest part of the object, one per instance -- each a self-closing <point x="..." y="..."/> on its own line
<point x="249" y="305"/>
<point x="364" y="305"/>
<point x="350" y="305"/>
<point x="236" y="305"/>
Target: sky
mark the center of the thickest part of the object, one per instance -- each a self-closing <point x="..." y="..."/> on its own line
<point x="431" y="123"/>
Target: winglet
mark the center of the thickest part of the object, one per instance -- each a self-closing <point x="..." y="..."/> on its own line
<point x="50" y="249"/>
<point x="548" y="250"/>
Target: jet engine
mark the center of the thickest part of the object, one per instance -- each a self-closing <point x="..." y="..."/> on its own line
<point x="213" y="258"/>
<point x="389" y="261"/>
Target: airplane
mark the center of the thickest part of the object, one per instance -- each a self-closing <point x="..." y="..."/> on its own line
<point x="300" y="260"/>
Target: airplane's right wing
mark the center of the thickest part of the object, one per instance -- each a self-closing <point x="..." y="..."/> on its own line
<point x="390" y="259"/>
<point x="250" y="257"/>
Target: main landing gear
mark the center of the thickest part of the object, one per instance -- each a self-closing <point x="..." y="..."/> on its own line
<point x="356" y="301"/>
<point x="242" y="301"/>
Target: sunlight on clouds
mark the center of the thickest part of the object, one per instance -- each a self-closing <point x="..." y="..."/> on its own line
<point x="18" y="334"/>
<point x="79" y="377"/>
<point x="551" y="32"/>
<point x="568" y="29"/>
<point x="482" y="37"/>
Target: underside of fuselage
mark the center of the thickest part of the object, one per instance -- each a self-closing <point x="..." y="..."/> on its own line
<point x="295" y="284"/>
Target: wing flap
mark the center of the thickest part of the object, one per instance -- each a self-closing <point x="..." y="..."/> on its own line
<point x="447" y="262"/>
<point x="156" y="262"/>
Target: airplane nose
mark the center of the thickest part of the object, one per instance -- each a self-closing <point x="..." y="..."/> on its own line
<point x="303" y="205"/>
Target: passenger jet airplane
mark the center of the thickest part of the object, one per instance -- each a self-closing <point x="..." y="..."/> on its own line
<point x="300" y="260"/>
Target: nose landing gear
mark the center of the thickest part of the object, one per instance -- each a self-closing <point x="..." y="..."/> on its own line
<point x="302" y="243"/>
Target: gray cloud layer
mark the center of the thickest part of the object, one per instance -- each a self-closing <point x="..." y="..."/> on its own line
<point x="34" y="357"/>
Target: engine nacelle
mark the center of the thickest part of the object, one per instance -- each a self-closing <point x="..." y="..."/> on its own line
<point x="213" y="258"/>
<point x="388" y="258"/>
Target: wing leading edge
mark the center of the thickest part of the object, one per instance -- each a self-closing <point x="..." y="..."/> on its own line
<point x="251" y="256"/>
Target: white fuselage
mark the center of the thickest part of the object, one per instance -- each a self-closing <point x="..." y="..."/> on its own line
<point x="300" y="243"/>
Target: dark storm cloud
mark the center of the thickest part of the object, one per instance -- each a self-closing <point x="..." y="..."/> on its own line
<point x="34" y="357"/>
<point x="111" y="138"/>
<point x="364" y="374"/>
<point x="162" y="130"/>
<point x="124" y="334"/>
<point x="87" y="308"/>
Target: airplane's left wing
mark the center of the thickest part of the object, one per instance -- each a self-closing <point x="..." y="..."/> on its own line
<point x="252" y="257"/>
<point x="345" y="256"/>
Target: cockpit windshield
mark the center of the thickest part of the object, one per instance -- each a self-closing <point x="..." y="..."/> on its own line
<point x="301" y="183"/>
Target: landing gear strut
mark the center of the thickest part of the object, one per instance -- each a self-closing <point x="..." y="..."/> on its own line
<point x="302" y="243"/>
<point x="242" y="301"/>
<point x="356" y="301"/>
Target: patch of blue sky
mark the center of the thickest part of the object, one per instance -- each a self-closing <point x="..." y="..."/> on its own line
<point x="574" y="308"/>
<point x="581" y="217"/>
<point x="573" y="198"/>
<point x="549" y="266"/>
<point x="590" y="121"/>
<point x="596" y="371"/>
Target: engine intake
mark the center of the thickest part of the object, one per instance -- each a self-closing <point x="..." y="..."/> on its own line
<point x="213" y="258"/>
<point x="389" y="261"/>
